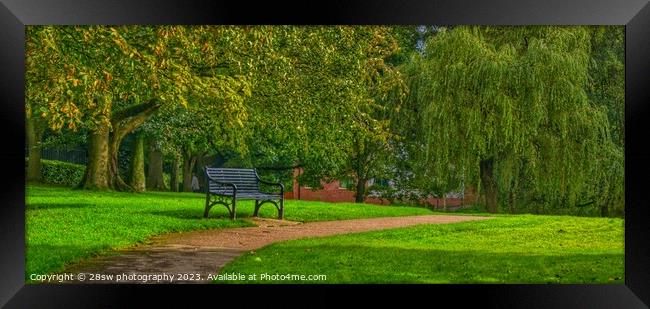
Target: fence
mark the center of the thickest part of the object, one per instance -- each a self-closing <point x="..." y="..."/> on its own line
<point x="77" y="156"/>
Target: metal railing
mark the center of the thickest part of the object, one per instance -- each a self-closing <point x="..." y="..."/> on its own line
<point x="77" y="156"/>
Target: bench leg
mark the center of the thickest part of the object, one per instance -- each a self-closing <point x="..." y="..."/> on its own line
<point x="233" y="212"/>
<point x="281" y="210"/>
<point x="207" y="206"/>
<point x="257" y="208"/>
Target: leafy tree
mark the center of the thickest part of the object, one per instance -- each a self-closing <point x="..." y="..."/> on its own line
<point x="110" y="80"/>
<point x="317" y="97"/>
<point x="500" y="102"/>
<point x="607" y="88"/>
<point x="607" y="76"/>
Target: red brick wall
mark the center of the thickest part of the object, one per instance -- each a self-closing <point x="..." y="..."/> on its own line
<point x="331" y="192"/>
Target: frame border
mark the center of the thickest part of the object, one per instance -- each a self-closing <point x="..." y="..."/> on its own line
<point x="634" y="14"/>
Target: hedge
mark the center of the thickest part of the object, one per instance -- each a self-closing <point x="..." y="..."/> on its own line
<point x="62" y="173"/>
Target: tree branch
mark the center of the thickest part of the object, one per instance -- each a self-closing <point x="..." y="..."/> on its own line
<point x="132" y="122"/>
<point x="135" y="110"/>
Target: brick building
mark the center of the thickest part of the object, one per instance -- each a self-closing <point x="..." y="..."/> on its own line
<point x="336" y="192"/>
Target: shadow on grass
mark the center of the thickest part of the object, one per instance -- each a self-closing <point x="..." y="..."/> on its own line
<point x="364" y="264"/>
<point x="179" y="195"/>
<point x="57" y="205"/>
<point x="194" y="214"/>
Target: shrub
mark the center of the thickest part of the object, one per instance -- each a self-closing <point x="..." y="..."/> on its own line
<point x="62" y="173"/>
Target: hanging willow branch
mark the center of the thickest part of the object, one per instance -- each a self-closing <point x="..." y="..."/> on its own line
<point x="515" y="96"/>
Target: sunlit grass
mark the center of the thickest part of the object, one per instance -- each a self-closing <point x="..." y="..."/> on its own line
<point x="504" y="249"/>
<point x="65" y="225"/>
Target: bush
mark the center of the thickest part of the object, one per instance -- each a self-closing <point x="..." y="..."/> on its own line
<point x="62" y="173"/>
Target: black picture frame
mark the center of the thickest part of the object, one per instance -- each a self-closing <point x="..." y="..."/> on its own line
<point x="634" y="14"/>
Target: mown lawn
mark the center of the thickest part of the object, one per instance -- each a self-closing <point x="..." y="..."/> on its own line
<point x="504" y="249"/>
<point x="65" y="225"/>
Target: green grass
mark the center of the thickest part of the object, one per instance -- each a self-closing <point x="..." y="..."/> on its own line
<point x="65" y="226"/>
<point x="504" y="249"/>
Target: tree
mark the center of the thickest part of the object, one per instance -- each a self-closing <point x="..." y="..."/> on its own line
<point x="311" y="94"/>
<point x="383" y="87"/>
<point x="35" y="107"/>
<point x="500" y="102"/>
<point x="34" y="133"/>
<point x="329" y="96"/>
<point x="110" y="80"/>
<point x="607" y="89"/>
<point x="137" y="181"/>
<point x="607" y="76"/>
<point x="155" y="172"/>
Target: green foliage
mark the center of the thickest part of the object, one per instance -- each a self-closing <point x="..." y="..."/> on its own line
<point x="545" y="104"/>
<point x="607" y="76"/>
<point x="314" y="100"/>
<point x="62" y="173"/>
<point x="65" y="226"/>
<point x="509" y="249"/>
<point x="517" y="96"/>
<point x="82" y="75"/>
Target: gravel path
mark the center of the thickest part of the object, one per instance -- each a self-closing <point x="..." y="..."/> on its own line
<point x="191" y="256"/>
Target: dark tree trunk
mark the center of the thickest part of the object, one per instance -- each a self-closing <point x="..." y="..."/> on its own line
<point x="102" y="172"/>
<point x="34" y="136"/>
<point x="174" y="175"/>
<point x="604" y="210"/>
<point x="155" y="180"/>
<point x="361" y="190"/>
<point x="96" y="174"/>
<point x="512" y="200"/>
<point x="188" y="167"/>
<point x="512" y="196"/>
<point x="201" y="162"/>
<point x="115" y="181"/>
<point x="137" y="165"/>
<point x="444" y="202"/>
<point x="489" y="184"/>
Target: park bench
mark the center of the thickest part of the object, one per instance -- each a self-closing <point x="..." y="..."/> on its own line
<point x="227" y="185"/>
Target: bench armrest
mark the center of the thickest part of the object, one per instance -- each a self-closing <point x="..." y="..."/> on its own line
<point x="279" y="184"/>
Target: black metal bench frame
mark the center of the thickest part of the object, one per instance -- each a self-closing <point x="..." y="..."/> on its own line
<point x="227" y="185"/>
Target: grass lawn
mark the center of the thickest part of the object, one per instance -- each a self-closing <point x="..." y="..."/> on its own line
<point x="65" y="225"/>
<point x="504" y="249"/>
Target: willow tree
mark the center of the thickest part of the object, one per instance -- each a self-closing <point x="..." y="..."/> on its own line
<point x="504" y="105"/>
<point x="607" y="89"/>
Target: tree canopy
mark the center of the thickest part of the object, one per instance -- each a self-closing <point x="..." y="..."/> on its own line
<point x="530" y="116"/>
<point x="507" y="108"/>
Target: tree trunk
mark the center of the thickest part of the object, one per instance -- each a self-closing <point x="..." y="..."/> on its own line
<point x="361" y="190"/>
<point x="137" y="165"/>
<point x="96" y="174"/>
<point x="489" y="184"/>
<point x="115" y="181"/>
<point x="201" y="162"/>
<point x="512" y="200"/>
<point x="102" y="171"/>
<point x="444" y="202"/>
<point x="34" y="135"/>
<point x="604" y="210"/>
<point x="188" y="167"/>
<point x="174" y="175"/>
<point x="155" y="179"/>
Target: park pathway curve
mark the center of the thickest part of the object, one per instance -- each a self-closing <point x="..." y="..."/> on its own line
<point x="207" y="251"/>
